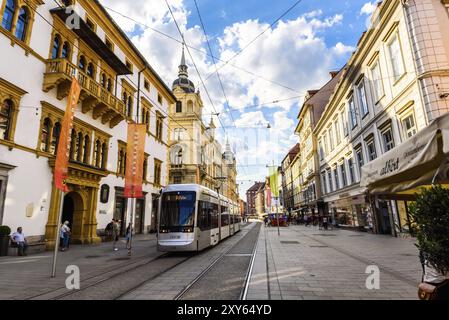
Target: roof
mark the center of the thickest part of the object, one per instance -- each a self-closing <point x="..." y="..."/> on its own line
<point x="321" y="98"/>
<point x="255" y="187"/>
<point x="292" y="153"/>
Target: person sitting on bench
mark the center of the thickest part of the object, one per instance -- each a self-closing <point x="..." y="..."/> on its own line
<point x="18" y="238"/>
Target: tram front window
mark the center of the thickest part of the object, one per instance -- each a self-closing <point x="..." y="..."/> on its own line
<point x="177" y="212"/>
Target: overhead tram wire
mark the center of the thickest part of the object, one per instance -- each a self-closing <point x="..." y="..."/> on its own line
<point x="101" y="69"/>
<point x="257" y="37"/>
<point x="196" y="68"/>
<point x="199" y="50"/>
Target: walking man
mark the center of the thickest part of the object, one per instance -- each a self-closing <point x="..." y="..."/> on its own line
<point x="115" y="234"/>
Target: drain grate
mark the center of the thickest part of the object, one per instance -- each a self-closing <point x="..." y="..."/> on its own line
<point x="289" y="242"/>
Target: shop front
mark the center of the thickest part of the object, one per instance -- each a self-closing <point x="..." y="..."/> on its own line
<point x="351" y="211"/>
<point x="394" y="179"/>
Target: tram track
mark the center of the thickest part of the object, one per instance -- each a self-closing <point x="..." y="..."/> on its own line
<point x="187" y="292"/>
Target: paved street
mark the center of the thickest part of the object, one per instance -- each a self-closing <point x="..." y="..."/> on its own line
<point x="306" y="263"/>
<point x="303" y="263"/>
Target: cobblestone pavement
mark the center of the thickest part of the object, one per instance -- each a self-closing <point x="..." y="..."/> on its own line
<point x="305" y="263"/>
<point x="26" y="277"/>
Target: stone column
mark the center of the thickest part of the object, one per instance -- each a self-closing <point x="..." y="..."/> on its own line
<point x="52" y="223"/>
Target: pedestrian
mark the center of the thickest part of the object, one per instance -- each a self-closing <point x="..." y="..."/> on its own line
<point x="325" y="223"/>
<point x="128" y="235"/>
<point x="265" y="220"/>
<point x="115" y="234"/>
<point x="18" y="238"/>
<point x="108" y="230"/>
<point x="65" y="235"/>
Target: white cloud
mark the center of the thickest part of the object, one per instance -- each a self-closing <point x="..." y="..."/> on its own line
<point x="341" y="49"/>
<point x="368" y="8"/>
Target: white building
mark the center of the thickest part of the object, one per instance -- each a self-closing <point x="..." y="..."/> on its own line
<point x="39" y="53"/>
<point x="393" y="86"/>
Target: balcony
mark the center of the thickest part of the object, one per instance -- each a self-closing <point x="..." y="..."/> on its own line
<point x="94" y="97"/>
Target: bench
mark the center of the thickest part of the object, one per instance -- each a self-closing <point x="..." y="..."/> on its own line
<point x="33" y="248"/>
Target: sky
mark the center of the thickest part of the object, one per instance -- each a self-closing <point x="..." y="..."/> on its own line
<point x="263" y="87"/>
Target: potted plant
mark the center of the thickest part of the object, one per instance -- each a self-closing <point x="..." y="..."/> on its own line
<point x="430" y="215"/>
<point x="5" y="231"/>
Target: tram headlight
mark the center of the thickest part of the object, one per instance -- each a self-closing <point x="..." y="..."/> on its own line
<point x="187" y="230"/>
<point x="163" y="230"/>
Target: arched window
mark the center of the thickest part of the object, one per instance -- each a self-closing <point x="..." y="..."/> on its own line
<point x="97" y="153"/>
<point x="145" y="169"/>
<point x="177" y="155"/>
<point x="103" y="155"/>
<point x="109" y="85"/>
<point x="90" y="70"/>
<point x="65" y="54"/>
<point x="103" y="80"/>
<point x="55" y="138"/>
<point x="56" y="46"/>
<point x="82" y="63"/>
<point x="120" y="162"/>
<point x="8" y="15"/>
<point x="45" y="135"/>
<point x="22" y="24"/>
<point x="6" y="110"/>
<point x="79" y="147"/>
<point x="125" y="97"/>
<point x="86" y="148"/>
<point x="73" y="145"/>
<point x="190" y="106"/>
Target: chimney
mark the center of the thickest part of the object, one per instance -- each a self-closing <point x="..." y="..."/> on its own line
<point x="333" y="74"/>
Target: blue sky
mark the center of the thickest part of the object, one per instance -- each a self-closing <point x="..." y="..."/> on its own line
<point x="316" y="37"/>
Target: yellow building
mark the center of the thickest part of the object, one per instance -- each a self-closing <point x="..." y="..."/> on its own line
<point x="195" y="155"/>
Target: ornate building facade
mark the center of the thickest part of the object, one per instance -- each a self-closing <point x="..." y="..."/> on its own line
<point x="43" y="46"/>
<point x="195" y="154"/>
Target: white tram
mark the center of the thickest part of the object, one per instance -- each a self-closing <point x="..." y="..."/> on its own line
<point x="192" y="217"/>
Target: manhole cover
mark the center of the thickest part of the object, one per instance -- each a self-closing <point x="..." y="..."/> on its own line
<point x="92" y="257"/>
<point x="289" y="242"/>
<point x="319" y="246"/>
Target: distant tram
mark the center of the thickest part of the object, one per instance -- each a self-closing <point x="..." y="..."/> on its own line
<point x="192" y="217"/>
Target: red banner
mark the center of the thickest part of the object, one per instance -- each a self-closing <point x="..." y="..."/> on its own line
<point x="65" y="138"/>
<point x="134" y="160"/>
<point x="269" y="197"/>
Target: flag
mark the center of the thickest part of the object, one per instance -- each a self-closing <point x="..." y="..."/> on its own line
<point x="134" y="160"/>
<point x="274" y="181"/>
<point x="268" y="197"/>
<point x="65" y="138"/>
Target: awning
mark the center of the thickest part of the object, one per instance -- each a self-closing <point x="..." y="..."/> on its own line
<point x="413" y="163"/>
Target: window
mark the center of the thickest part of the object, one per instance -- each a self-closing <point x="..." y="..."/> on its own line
<point x="82" y="63"/>
<point x="371" y="150"/>
<point x="129" y="107"/>
<point x="177" y="180"/>
<point x="337" y="183"/>
<point x="79" y="147"/>
<point x="56" y="46"/>
<point x="323" y="183"/>
<point x="331" y="139"/>
<point x="90" y="24"/>
<point x="22" y="24"/>
<point x="45" y="135"/>
<point x="73" y="145"/>
<point x="65" y="54"/>
<point x="344" y="178"/>
<point x="104" y="153"/>
<point x="352" y="113"/>
<point x="8" y="15"/>
<point x="145" y="168"/>
<point x="159" y="98"/>
<point x="97" y="154"/>
<point x="6" y="119"/>
<point x="362" y="98"/>
<point x="109" y="87"/>
<point x="360" y="160"/>
<point x="377" y="81"/>
<point x="159" y="128"/>
<point x="351" y="170"/>
<point x="121" y="160"/>
<point x="337" y="131"/>
<point x="104" y="193"/>
<point x="178" y="106"/>
<point x="103" y="80"/>
<point x="90" y="70"/>
<point x="146" y="118"/>
<point x="55" y="138"/>
<point x="344" y="123"/>
<point x="409" y="126"/>
<point x="157" y="172"/>
<point x="387" y="137"/>
<point x="329" y="175"/>
<point x="129" y="65"/>
<point x="326" y="146"/>
<point x="321" y="151"/>
<point x="109" y="44"/>
<point x="146" y="85"/>
<point x="397" y="63"/>
<point x="86" y="150"/>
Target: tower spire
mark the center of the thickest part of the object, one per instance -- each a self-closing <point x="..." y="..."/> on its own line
<point x="183" y="73"/>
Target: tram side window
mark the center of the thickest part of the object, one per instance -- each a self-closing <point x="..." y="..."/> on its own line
<point x="204" y="216"/>
<point x="214" y="215"/>
<point x="224" y="220"/>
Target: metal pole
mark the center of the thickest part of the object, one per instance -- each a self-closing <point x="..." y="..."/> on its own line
<point x="58" y="229"/>
<point x="277" y="215"/>
<point x="133" y="203"/>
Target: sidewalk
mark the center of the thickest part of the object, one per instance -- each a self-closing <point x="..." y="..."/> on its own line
<point x="23" y="277"/>
<point x="305" y="263"/>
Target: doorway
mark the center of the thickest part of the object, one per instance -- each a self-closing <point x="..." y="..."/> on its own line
<point x="73" y="212"/>
<point x="140" y="216"/>
<point x="385" y="222"/>
<point x="121" y="205"/>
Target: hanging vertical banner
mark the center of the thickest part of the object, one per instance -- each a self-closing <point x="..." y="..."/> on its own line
<point x="65" y="138"/>
<point x="134" y="160"/>
<point x="268" y="197"/>
<point x="274" y="181"/>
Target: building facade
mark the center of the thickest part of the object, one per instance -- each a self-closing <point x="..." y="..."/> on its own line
<point x="195" y="155"/>
<point x="251" y="195"/>
<point x="43" y="46"/>
<point x="393" y="86"/>
<point x="288" y="177"/>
